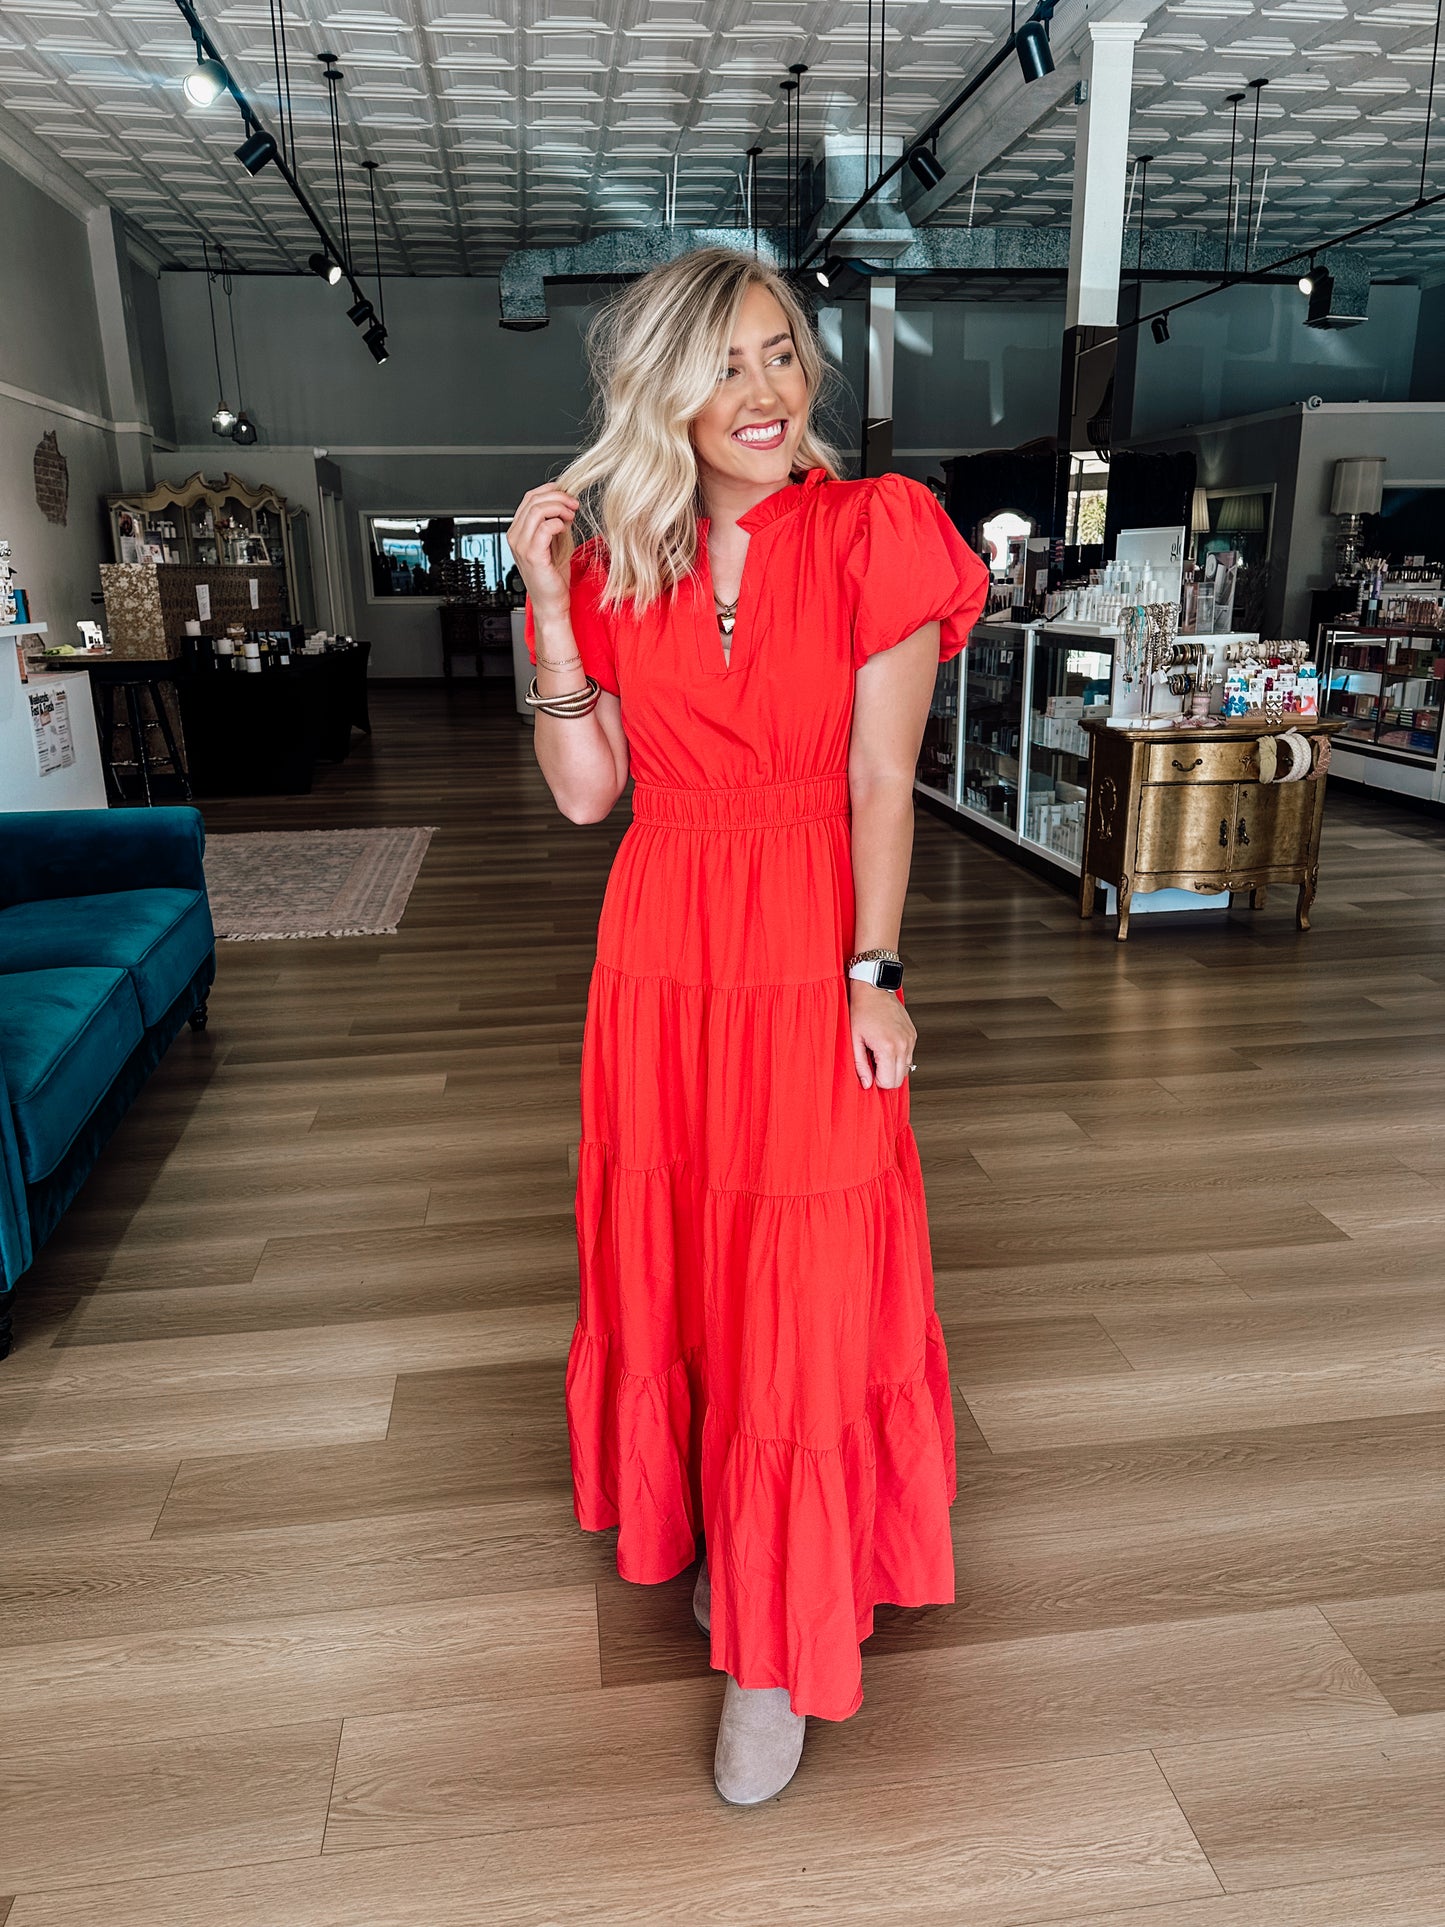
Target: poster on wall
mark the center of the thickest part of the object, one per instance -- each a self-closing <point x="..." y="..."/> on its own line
<point x="50" y="719"/>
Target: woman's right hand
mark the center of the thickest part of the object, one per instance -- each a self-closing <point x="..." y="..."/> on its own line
<point x="541" y="517"/>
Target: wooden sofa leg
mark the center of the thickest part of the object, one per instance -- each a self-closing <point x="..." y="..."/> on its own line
<point x="200" y="1016"/>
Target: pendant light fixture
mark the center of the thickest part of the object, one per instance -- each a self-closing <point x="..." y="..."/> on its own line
<point x="242" y="430"/>
<point x="223" y="419"/>
<point x="788" y="88"/>
<point x="1258" y="87"/>
<point x="1143" y="171"/>
<point x="334" y="78"/>
<point x="377" y="346"/>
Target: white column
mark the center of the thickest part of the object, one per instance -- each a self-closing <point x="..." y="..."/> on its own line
<point x="878" y="390"/>
<point x="1101" y="154"/>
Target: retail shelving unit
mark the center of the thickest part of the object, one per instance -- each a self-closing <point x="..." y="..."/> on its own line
<point x="1386" y="687"/>
<point x="992" y="750"/>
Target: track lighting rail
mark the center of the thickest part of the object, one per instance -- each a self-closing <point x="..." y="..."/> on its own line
<point x="1028" y="42"/>
<point x="261" y="142"/>
<point x="1279" y="268"/>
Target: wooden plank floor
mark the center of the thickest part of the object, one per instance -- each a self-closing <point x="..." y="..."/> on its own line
<point x="299" y="1630"/>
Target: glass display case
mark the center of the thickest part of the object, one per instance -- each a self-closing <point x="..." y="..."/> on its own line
<point x="938" y="757"/>
<point x="1388" y="689"/>
<point x="1067" y="675"/>
<point x="990" y="747"/>
<point x="1025" y="784"/>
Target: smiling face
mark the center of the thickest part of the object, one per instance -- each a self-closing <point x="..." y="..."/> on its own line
<point x="746" y="439"/>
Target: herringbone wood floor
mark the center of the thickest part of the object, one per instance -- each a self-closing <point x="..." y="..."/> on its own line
<point x="299" y="1631"/>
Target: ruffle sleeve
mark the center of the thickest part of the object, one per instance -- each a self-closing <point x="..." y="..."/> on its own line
<point x="909" y="565"/>
<point x="590" y="625"/>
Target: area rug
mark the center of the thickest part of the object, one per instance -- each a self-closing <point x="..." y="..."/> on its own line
<point x="311" y="883"/>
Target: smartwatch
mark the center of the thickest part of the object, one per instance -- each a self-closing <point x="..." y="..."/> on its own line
<point x="881" y="967"/>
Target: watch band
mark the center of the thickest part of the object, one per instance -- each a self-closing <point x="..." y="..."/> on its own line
<point x="881" y="967"/>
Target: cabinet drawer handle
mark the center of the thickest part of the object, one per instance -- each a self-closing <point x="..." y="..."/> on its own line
<point x="1198" y="763"/>
<point x="1243" y="831"/>
<point x="1224" y="832"/>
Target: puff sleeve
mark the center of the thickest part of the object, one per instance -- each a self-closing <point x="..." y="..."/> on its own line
<point x="590" y="623"/>
<point x="909" y="565"/>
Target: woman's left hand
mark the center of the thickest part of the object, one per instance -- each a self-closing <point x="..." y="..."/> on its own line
<point x="883" y="1027"/>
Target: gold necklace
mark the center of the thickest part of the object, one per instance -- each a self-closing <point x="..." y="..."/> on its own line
<point x="727" y="614"/>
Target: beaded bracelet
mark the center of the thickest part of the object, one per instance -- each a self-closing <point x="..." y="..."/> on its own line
<point x="577" y="702"/>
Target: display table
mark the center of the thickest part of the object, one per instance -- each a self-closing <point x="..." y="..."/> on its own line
<point x="263" y="735"/>
<point x="1186" y="809"/>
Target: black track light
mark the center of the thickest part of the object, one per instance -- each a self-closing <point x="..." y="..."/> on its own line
<point x="375" y="339"/>
<point x="1159" y="328"/>
<point x="361" y="314"/>
<point x="1031" y="44"/>
<point x="927" y="168"/>
<point x="255" y="151"/>
<point x="830" y="270"/>
<point x="245" y="431"/>
<point x="205" y="81"/>
<point x="325" y="265"/>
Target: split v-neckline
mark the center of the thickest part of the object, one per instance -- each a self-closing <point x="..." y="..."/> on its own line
<point x="760" y="517"/>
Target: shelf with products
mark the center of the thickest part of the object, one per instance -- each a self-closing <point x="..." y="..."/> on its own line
<point x="995" y="665"/>
<point x="226" y="524"/>
<point x="1070" y="677"/>
<point x="938" y="756"/>
<point x="1388" y="690"/>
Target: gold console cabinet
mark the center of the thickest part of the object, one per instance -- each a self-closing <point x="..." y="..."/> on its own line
<point x="1184" y="809"/>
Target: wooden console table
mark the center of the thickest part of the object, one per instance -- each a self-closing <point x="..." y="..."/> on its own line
<point x="1184" y="809"/>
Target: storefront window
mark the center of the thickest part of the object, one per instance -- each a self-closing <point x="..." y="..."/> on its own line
<point x="438" y="555"/>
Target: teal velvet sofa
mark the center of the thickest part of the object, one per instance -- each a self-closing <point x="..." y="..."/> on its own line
<point x="106" y="950"/>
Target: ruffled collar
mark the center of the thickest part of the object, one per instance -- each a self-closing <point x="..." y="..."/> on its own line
<point x="781" y="502"/>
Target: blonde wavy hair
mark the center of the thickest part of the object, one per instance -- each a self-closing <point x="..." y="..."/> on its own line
<point x="655" y="354"/>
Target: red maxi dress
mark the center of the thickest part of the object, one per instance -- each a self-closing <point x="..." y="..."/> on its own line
<point x="757" y="1356"/>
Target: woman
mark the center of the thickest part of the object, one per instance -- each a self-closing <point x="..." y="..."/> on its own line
<point x="757" y="1359"/>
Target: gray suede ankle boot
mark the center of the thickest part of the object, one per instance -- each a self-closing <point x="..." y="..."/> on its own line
<point x="702" y="1598"/>
<point x="759" y="1743"/>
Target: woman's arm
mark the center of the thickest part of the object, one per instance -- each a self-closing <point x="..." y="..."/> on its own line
<point x="584" y="758"/>
<point x="892" y="692"/>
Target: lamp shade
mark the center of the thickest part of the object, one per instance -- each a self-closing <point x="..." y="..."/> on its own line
<point x="1199" y="513"/>
<point x="1359" y="486"/>
<point x="1241" y="515"/>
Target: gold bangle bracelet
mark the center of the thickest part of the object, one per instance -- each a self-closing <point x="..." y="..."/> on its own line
<point x="577" y="702"/>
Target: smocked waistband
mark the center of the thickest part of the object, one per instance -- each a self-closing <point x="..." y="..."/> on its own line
<point x="751" y="806"/>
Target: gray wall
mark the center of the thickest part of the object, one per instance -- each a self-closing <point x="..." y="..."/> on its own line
<point x="1428" y="380"/>
<point x="1296" y="449"/>
<point x="52" y="376"/>
<point x="979" y="375"/>
<point x="465" y="415"/>
<point x="1411" y="438"/>
<point x="1248" y="349"/>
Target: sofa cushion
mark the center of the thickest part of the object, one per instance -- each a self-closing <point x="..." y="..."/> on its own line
<point x="64" y="1034"/>
<point x="162" y="937"/>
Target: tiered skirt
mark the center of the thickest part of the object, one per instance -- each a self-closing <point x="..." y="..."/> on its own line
<point x="757" y="1360"/>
